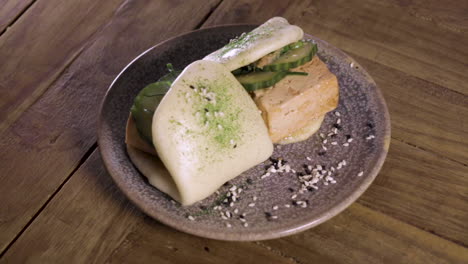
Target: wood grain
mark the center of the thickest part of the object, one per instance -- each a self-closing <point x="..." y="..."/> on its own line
<point x="361" y="235"/>
<point x="387" y="32"/>
<point x="423" y="113"/>
<point x="45" y="145"/>
<point x="37" y="55"/>
<point x="415" y="212"/>
<point x="90" y="221"/>
<point x="10" y="10"/>
<point x="424" y="190"/>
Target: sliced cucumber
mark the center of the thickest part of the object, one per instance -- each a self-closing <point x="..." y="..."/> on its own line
<point x="258" y="80"/>
<point x="297" y="55"/>
<point x="171" y="76"/>
<point x="148" y="99"/>
<point x="145" y="104"/>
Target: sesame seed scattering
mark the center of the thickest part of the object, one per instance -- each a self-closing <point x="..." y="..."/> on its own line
<point x="306" y="173"/>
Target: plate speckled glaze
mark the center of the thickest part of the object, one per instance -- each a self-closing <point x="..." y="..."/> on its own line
<point x="363" y="113"/>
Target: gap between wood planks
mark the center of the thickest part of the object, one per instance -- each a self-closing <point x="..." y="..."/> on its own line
<point x="13" y="21"/>
<point x="81" y="162"/>
<point x="10" y="120"/>
<point x="430" y="151"/>
<point x="460" y="243"/>
<point x="94" y="146"/>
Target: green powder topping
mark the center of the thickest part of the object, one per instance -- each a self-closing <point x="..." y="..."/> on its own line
<point x="243" y="40"/>
<point x="216" y="112"/>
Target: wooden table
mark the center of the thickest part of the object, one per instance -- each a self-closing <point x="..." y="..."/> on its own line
<point x="58" y="204"/>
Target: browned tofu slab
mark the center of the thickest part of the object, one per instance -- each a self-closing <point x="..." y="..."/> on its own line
<point x="296" y="100"/>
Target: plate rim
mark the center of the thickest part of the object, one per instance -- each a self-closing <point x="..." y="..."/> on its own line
<point x="281" y="231"/>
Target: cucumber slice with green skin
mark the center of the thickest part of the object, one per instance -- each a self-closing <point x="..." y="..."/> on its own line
<point x="258" y="80"/>
<point x="291" y="46"/>
<point x="293" y="58"/>
<point x="148" y="99"/>
<point x="145" y="104"/>
<point x="171" y="76"/>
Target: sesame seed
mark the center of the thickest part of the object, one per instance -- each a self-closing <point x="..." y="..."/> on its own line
<point x="228" y="214"/>
<point x="191" y="218"/>
<point x="236" y="211"/>
<point x="233" y="188"/>
<point x="334" y="143"/>
<point x="246" y="224"/>
<point x="351" y="65"/>
<point x="324" y="148"/>
<point x="173" y="202"/>
<point x="243" y="215"/>
<point x="224" y="217"/>
<point x="322" y="135"/>
<point x="254" y="198"/>
<point x="338" y="121"/>
<point x="370" y="137"/>
<point x="220" y="127"/>
<point x="242" y="219"/>
<point x="275" y="207"/>
<point x="274" y="217"/>
<point x="350" y="140"/>
<point x="360" y="174"/>
<point x="287" y="205"/>
<point x="234" y="198"/>
<point x="325" y="141"/>
<point x="308" y="158"/>
<point x="231" y="204"/>
<point x="228" y="225"/>
<point x="251" y="204"/>
<point x="239" y="190"/>
<point x="346" y="144"/>
<point x="232" y="142"/>
<point x="294" y="196"/>
<point x="337" y="113"/>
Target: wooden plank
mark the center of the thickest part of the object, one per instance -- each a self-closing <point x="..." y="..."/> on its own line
<point x="423" y="113"/>
<point x="388" y="32"/>
<point x="43" y="147"/>
<point x="33" y="57"/>
<point x="423" y="189"/>
<point x="10" y="11"/>
<point x="361" y="235"/>
<point x="90" y="221"/>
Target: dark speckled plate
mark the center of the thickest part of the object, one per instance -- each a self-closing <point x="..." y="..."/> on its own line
<point x="364" y="118"/>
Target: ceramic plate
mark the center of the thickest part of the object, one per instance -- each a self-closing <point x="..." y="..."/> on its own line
<point x="357" y="138"/>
